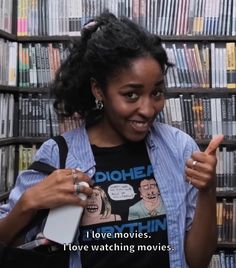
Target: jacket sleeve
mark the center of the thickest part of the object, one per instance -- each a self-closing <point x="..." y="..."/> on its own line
<point x="47" y="153"/>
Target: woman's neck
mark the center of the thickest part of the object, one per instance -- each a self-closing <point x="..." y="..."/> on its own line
<point x="101" y="136"/>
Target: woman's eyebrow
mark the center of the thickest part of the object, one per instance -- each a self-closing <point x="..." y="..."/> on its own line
<point x="160" y="82"/>
<point x="136" y="85"/>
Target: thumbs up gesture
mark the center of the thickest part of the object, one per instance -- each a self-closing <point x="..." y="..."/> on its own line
<point x="201" y="167"/>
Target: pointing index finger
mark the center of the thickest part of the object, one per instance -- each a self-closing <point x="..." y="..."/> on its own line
<point x="214" y="143"/>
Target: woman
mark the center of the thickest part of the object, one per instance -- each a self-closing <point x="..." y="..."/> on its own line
<point x="98" y="208"/>
<point x="114" y="78"/>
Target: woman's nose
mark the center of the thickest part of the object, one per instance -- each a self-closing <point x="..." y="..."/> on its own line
<point x="147" y="108"/>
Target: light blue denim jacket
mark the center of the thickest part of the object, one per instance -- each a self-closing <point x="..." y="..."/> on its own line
<point x="168" y="149"/>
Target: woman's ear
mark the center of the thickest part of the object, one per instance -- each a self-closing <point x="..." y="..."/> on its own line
<point x="96" y="89"/>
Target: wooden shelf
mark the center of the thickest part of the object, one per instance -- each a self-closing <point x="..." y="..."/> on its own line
<point x="197" y="38"/>
<point x="224" y="142"/>
<point x="172" y="38"/>
<point x="17" y="140"/>
<point x="41" y="90"/>
<point x="13" y="89"/>
<point x="41" y="39"/>
<point x="8" y="36"/>
<point x="169" y="91"/>
<point x="4" y="196"/>
<point x="226" y="194"/>
<point x="167" y="38"/>
<point x="8" y="141"/>
<point x="226" y="245"/>
<point x="221" y="91"/>
<point x="9" y="89"/>
<point x="31" y="140"/>
<point x="22" y="140"/>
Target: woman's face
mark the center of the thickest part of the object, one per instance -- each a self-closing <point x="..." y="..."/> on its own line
<point x="132" y="100"/>
<point x="94" y="205"/>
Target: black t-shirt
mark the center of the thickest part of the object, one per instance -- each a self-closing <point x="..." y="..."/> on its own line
<point x="125" y="221"/>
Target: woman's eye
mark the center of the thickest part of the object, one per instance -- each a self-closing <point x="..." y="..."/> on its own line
<point x="157" y="93"/>
<point x="132" y="95"/>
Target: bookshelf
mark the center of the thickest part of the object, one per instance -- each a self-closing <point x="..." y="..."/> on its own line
<point x="8" y="36"/>
<point x="60" y="38"/>
<point x="8" y="95"/>
<point x="142" y="14"/>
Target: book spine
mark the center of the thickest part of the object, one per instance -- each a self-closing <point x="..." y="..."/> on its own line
<point x="233" y="98"/>
<point x="231" y="65"/>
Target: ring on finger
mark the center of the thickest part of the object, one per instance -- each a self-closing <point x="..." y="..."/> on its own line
<point x="194" y="164"/>
<point x="74" y="176"/>
<point x="190" y="181"/>
<point x="77" y="188"/>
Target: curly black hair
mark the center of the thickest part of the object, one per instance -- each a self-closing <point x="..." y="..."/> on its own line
<point x="104" y="48"/>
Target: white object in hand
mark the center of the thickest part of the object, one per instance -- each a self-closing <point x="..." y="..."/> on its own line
<point x="62" y="222"/>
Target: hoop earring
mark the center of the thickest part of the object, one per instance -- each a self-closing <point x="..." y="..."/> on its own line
<point x="99" y="104"/>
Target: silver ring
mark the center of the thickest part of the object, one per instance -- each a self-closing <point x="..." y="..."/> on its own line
<point x="77" y="188"/>
<point x="74" y="176"/>
<point x="190" y="181"/>
<point x="194" y="164"/>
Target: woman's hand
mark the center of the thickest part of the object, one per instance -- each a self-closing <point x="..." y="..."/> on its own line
<point x="201" y="167"/>
<point x="59" y="188"/>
